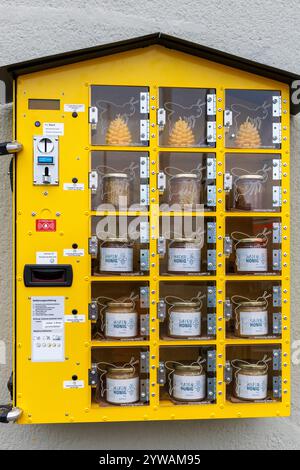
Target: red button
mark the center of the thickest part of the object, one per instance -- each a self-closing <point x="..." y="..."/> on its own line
<point x="45" y="225"/>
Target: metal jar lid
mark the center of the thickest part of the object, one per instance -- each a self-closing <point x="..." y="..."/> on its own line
<point x="252" y="367"/>
<point x="185" y="175"/>
<point x="115" y="175"/>
<point x="120" y="304"/>
<point x="116" y="240"/>
<point x="251" y="177"/>
<point x="121" y="370"/>
<point x="187" y="240"/>
<point x="186" y="304"/>
<point x="253" y="303"/>
<point x="252" y="240"/>
<point x="188" y="368"/>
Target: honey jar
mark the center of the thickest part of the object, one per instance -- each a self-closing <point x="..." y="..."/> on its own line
<point x="189" y="383"/>
<point x="251" y="319"/>
<point x="184" y="319"/>
<point x="252" y="255"/>
<point x="116" y="255"/>
<point x="249" y="192"/>
<point x="184" y="255"/>
<point x="184" y="189"/>
<point x="122" y="385"/>
<point x="250" y="380"/>
<point x="116" y="190"/>
<point x="121" y="320"/>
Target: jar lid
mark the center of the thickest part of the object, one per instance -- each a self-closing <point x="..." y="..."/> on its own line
<point x="252" y="240"/>
<point x="253" y="303"/>
<point x="251" y="177"/>
<point x="189" y="240"/>
<point x="186" y="304"/>
<point x="252" y="367"/>
<point x="120" y="370"/>
<point x="188" y="368"/>
<point x="115" y="175"/>
<point x="120" y="304"/>
<point x="115" y="239"/>
<point x="185" y="175"/>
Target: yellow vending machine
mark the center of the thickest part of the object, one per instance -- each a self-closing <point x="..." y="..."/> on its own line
<point x="151" y="235"/>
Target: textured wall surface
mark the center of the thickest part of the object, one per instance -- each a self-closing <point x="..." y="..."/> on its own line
<point x="264" y="31"/>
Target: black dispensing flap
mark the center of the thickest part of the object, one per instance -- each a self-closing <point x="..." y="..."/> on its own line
<point x="45" y="275"/>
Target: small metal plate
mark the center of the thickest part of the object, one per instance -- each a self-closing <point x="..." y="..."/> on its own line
<point x="276" y="133"/>
<point x="144" y="194"/>
<point x="277" y="173"/>
<point x="211" y="388"/>
<point x="211" y="360"/>
<point x="227" y="182"/>
<point x="211" y="297"/>
<point x="211" y="195"/>
<point x="227" y="118"/>
<point x="228" y="309"/>
<point x="144" y="362"/>
<point x="161" y="246"/>
<point x="93" y="375"/>
<point x="277" y="260"/>
<point x="144" y="130"/>
<point x="161" y="181"/>
<point x="277" y="198"/>
<point x="211" y="232"/>
<point x="277" y="359"/>
<point x="277" y="387"/>
<point x="144" y="297"/>
<point x="161" y="374"/>
<point x="211" y="168"/>
<point x="277" y="323"/>
<point x="276" y="296"/>
<point x="93" y="115"/>
<point x="276" y="232"/>
<point x="211" y="260"/>
<point x="144" y="231"/>
<point x="276" y="106"/>
<point x="211" y="132"/>
<point x="93" y="181"/>
<point x="144" y="103"/>
<point x="93" y="246"/>
<point x="211" y="107"/>
<point x="227" y="246"/>
<point x="161" y="310"/>
<point x="211" y="324"/>
<point x="144" y="260"/>
<point x="144" y="324"/>
<point x="93" y="310"/>
<point x="228" y="372"/>
<point x="161" y="117"/>
<point x="144" y="390"/>
<point x="144" y="167"/>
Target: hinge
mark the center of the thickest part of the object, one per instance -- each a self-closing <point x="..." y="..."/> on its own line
<point x="276" y="359"/>
<point x="93" y="116"/>
<point x="227" y="118"/>
<point x="93" y="375"/>
<point x="277" y="169"/>
<point x="144" y="260"/>
<point x="161" y="246"/>
<point x="228" y="309"/>
<point x="276" y="133"/>
<point x="211" y="297"/>
<point x="161" y="182"/>
<point x="93" y="246"/>
<point x="276" y="106"/>
<point x="211" y="360"/>
<point x="277" y="196"/>
<point x="276" y="296"/>
<point x="144" y="390"/>
<point x="144" y="324"/>
<point x="144" y="297"/>
<point x="211" y="105"/>
<point x="227" y="246"/>
<point x="277" y="387"/>
<point x="93" y="310"/>
<point x="227" y="182"/>
<point x="211" y="195"/>
<point x="276" y="232"/>
<point x="161" y="118"/>
<point x="211" y="324"/>
<point x="144" y="167"/>
<point x="144" y="194"/>
<point x="277" y="260"/>
<point x="93" y="181"/>
<point x="144" y="130"/>
<point x="277" y="323"/>
<point x="211" y="131"/>
<point x="144" y="362"/>
<point x="211" y="232"/>
<point x="161" y="374"/>
<point x="211" y="260"/>
<point x="211" y="168"/>
<point x="211" y="388"/>
<point x="161" y="310"/>
<point x="144" y="231"/>
<point x="228" y="372"/>
<point x="144" y="102"/>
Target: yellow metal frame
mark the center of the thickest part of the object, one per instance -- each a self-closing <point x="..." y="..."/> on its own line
<point x="38" y="386"/>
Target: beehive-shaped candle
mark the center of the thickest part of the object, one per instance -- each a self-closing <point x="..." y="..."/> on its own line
<point x="118" y="132"/>
<point x="248" y="136"/>
<point x="181" y="135"/>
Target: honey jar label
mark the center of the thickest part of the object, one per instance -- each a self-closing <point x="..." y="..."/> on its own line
<point x="254" y="323"/>
<point x="121" y="325"/>
<point x="184" y="259"/>
<point x="189" y="387"/>
<point x="116" y="259"/>
<point x="252" y="259"/>
<point x="185" y="323"/>
<point x="122" y="391"/>
<point x="252" y="387"/>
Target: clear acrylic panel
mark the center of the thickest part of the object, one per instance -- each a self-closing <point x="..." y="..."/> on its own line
<point x="253" y="309"/>
<point x="187" y="375"/>
<point x="253" y="245"/>
<point x="121" y="375"/>
<point x="119" y="181"/>
<point x="253" y="373"/>
<point x="187" y="181"/>
<point x="122" y="245"/>
<point x="119" y="115"/>
<point x="120" y="311"/>
<point x="187" y="310"/>
<point x="252" y="119"/>
<point x="187" y="245"/>
<point x="186" y="117"/>
<point x="253" y="182"/>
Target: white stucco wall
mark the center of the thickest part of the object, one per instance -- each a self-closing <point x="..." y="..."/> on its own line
<point x="267" y="31"/>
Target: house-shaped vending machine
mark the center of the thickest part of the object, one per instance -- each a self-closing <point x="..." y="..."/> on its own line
<point x="151" y="234"/>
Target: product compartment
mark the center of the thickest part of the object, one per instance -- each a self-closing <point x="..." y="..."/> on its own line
<point x="253" y="245"/>
<point x="253" y="182"/>
<point x="253" y="373"/>
<point x="120" y="376"/>
<point x="187" y="310"/>
<point x="253" y="309"/>
<point x="119" y="311"/>
<point x="119" y="181"/>
<point x="187" y="117"/>
<point x="119" y="245"/>
<point x="187" y="245"/>
<point x="252" y="119"/>
<point x="119" y="115"/>
<point x="187" y="375"/>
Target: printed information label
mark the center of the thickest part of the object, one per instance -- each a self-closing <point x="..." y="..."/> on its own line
<point x="73" y="384"/>
<point x="74" y="108"/>
<point x="53" y="128"/>
<point x="47" y="329"/>
<point x="46" y="257"/>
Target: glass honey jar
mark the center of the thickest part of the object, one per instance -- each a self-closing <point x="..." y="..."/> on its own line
<point x="116" y="190"/>
<point x="184" y="189"/>
<point x="122" y="385"/>
<point x="184" y="255"/>
<point x="121" y="320"/>
<point x="116" y="255"/>
<point x="184" y="319"/>
<point x="189" y="383"/>
<point x="251" y="319"/>
<point x="251" y="255"/>
<point x="250" y="380"/>
<point x="249" y="192"/>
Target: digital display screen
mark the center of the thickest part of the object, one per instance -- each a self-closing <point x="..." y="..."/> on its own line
<point x="46" y="160"/>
